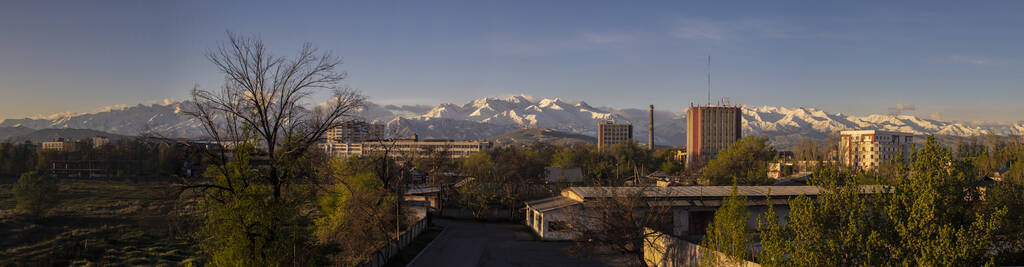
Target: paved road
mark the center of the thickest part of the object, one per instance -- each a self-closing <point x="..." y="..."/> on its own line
<point x="469" y="243"/>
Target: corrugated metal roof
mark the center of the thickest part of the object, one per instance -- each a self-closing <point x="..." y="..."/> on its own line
<point x="546" y="204"/>
<point x="422" y="190"/>
<point x="705" y="191"/>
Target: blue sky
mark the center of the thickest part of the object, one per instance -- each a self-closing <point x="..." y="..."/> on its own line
<point x="951" y="60"/>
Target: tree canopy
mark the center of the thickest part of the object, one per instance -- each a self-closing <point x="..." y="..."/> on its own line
<point x="745" y="162"/>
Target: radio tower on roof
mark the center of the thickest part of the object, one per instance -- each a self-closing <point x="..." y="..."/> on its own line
<point x="709" y="80"/>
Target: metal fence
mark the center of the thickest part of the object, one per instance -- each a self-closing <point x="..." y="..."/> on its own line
<point x="381" y="256"/>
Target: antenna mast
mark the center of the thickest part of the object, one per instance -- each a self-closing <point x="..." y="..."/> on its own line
<point x="709" y="80"/>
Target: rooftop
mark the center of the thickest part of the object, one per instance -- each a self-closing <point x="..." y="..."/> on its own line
<point x="551" y="203"/>
<point x="584" y="193"/>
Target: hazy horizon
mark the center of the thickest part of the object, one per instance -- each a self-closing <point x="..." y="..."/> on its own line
<point x="952" y="61"/>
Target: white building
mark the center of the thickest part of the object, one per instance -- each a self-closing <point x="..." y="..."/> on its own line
<point x="100" y="141"/>
<point x="867" y="149"/>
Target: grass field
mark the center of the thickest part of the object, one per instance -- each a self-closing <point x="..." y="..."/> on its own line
<point x="98" y="222"/>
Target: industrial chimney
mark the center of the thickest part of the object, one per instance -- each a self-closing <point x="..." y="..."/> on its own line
<point x="650" y="130"/>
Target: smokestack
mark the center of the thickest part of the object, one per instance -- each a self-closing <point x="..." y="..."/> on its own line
<point x="650" y="130"/>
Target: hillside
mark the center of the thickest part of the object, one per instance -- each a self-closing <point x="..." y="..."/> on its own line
<point x="68" y="134"/>
<point x="9" y="132"/>
<point x="524" y="137"/>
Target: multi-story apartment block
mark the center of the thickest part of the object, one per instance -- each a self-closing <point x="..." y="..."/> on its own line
<point x="609" y="133"/>
<point x="710" y="129"/>
<point x="867" y="149"/>
<point x="347" y="139"/>
<point x="355" y="132"/>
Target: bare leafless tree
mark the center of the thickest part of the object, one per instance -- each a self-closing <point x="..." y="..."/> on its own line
<point x="618" y="223"/>
<point x="265" y="125"/>
<point x="264" y="101"/>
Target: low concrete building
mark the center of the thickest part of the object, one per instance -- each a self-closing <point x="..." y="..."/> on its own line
<point x="692" y="207"/>
<point x="405" y="147"/>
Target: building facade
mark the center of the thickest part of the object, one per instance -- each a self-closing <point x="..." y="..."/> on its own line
<point x="405" y="148"/>
<point x="417" y="148"/>
<point x="355" y="132"/>
<point x="689" y="208"/>
<point x="710" y="129"/>
<point x="100" y="141"/>
<point x="60" y="145"/>
<point x="347" y="139"/>
<point x="609" y="133"/>
<point x="867" y="149"/>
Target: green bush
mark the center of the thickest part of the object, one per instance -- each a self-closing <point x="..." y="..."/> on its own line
<point x="36" y="194"/>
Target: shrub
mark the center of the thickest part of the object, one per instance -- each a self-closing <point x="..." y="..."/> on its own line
<point x="36" y="194"/>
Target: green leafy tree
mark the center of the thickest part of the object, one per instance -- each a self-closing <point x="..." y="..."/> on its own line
<point x="1009" y="239"/>
<point x="932" y="212"/>
<point x="1016" y="172"/>
<point x="356" y="207"/>
<point x="664" y="160"/>
<point x="566" y="158"/>
<point x="247" y="226"/>
<point x="842" y="226"/>
<point x="928" y="216"/>
<point x="727" y="233"/>
<point x="480" y="165"/>
<point x="35" y="194"/>
<point x="745" y="162"/>
<point x="477" y="194"/>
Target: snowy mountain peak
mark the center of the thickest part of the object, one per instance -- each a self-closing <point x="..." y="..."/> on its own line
<point x="487" y="117"/>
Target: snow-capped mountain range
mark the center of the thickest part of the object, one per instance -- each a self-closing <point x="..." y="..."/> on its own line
<point x="489" y="117"/>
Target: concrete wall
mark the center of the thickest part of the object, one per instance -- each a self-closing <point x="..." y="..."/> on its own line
<point x="681" y="217"/>
<point x="667" y="251"/>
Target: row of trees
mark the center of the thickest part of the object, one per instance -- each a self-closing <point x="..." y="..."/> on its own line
<point x="132" y="157"/>
<point x="615" y="165"/>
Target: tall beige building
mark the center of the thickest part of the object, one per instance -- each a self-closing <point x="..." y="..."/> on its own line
<point x="609" y="133"/>
<point x="710" y="129"/>
<point x="867" y="149"/>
